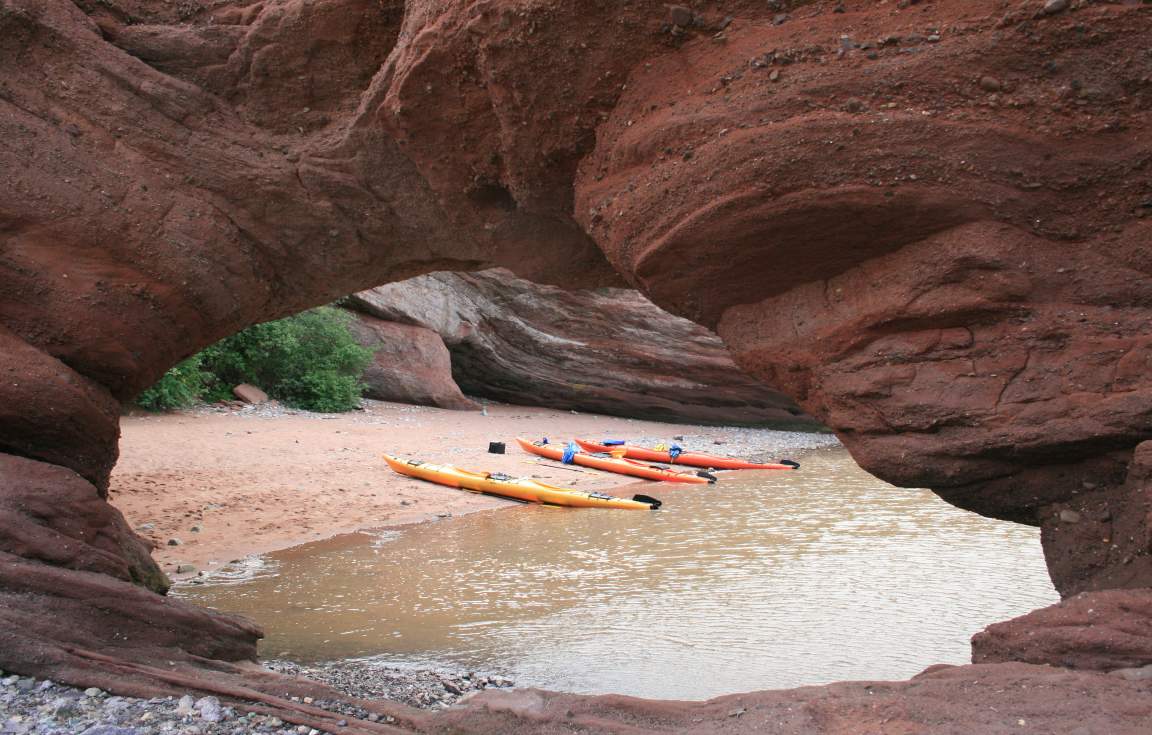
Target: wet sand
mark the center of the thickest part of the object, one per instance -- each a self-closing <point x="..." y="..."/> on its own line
<point x="257" y="479"/>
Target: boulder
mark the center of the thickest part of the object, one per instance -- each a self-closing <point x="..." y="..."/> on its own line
<point x="410" y="364"/>
<point x="1103" y="631"/>
<point x="607" y="350"/>
<point x="250" y="394"/>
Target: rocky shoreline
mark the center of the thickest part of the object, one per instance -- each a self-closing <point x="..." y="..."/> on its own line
<point x="42" y="707"/>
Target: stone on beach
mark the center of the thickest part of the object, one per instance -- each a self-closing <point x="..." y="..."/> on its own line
<point x="250" y="394"/>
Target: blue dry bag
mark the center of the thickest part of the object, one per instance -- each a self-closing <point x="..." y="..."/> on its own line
<point x="674" y="451"/>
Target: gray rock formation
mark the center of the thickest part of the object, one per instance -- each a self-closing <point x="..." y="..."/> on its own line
<point x="410" y="365"/>
<point x="607" y="350"/>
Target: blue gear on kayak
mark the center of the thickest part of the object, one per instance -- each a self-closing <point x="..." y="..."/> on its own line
<point x="674" y="451"/>
<point x="570" y="453"/>
<point x="613" y="442"/>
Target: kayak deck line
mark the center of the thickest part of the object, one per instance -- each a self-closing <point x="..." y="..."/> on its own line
<point x="521" y="489"/>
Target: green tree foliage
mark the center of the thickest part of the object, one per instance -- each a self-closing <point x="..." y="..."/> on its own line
<point x="180" y="387"/>
<point x="310" y="361"/>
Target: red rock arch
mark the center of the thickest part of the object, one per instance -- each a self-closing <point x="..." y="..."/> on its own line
<point x="955" y="279"/>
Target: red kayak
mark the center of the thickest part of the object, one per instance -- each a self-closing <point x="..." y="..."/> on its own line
<point x="613" y="464"/>
<point x="695" y="459"/>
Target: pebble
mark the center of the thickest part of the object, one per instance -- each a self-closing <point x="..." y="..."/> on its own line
<point x="680" y="15"/>
<point x="209" y="708"/>
<point x="174" y="542"/>
<point x="1069" y="516"/>
<point x="185" y="706"/>
<point x="185" y="569"/>
<point x="1052" y="7"/>
<point x="853" y="105"/>
<point x="990" y="84"/>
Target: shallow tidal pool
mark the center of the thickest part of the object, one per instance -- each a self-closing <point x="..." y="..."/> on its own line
<point x="765" y="580"/>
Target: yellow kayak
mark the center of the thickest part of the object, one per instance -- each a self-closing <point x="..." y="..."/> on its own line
<point x="522" y="489"/>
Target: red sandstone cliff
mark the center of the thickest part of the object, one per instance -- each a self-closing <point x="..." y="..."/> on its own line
<point x="605" y="351"/>
<point x="927" y="222"/>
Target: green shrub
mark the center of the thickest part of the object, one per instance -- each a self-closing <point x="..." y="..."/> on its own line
<point x="322" y="390"/>
<point x="180" y="387"/>
<point x="310" y="361"/>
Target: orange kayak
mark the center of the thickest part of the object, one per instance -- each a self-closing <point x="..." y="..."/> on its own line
<point x="694" y="459"/>
<point x="514" y="488"/>
<point x="613" y="464"/>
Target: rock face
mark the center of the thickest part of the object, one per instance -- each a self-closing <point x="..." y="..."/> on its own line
<point x="925" y="267"/>
<point x="1102" y="631"/>
<point x="1002" y="698"/>
<point x="954" y="279"/>
<point x="606" y="351"/>
<point x="410" y="364"/>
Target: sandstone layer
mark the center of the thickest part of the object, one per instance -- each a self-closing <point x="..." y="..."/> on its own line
<point x="410" y="364"/>
<point x="604" y="351"/>
<point x="926" y="222"/>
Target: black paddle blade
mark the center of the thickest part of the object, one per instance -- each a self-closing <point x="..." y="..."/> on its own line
<point x="649" y="500"/>
<point x="791" y="463"/>
<point x="707" y="476"/>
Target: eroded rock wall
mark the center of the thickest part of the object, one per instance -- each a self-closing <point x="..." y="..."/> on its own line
<point x="938" y="244"/>
<point x="927" y="222"/>
<point x="607" y="351"/>
<point x="410" y="364"/>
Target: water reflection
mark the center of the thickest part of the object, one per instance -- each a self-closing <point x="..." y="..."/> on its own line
<point x="767" y="580"/>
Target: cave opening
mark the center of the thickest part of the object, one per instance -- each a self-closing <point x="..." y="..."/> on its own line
<point x="768" y="581"/>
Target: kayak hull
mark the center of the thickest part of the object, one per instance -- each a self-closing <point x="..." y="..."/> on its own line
<point x="693" y="459"/>
<point x="524" y="490"/>
<point x="612" y="464"/>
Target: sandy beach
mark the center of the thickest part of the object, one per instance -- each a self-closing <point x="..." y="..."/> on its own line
<point x="225" y="482"/>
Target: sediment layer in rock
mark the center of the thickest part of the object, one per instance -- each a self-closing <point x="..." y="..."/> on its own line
<point x="605" y="351"/>
<point x="926" y="222"/>
<point x="410" y="364"/>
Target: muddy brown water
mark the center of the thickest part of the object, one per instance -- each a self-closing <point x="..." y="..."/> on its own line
<point x="766" y="580"/>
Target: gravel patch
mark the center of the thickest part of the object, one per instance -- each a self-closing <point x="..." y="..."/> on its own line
<point x="365" y="679"/>
<point x="41" y="707"/>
